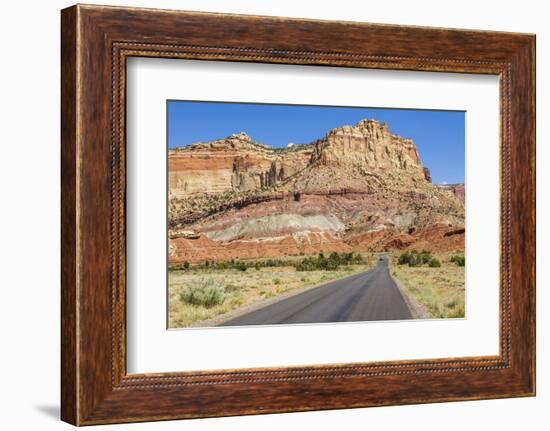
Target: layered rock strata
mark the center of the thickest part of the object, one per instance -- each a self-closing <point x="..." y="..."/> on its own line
<point x="358" y="188"/>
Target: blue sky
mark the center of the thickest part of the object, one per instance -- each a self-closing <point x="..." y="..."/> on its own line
<point x="439" y="135"/>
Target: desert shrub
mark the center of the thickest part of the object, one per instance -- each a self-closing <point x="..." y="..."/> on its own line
<point x="347" y="258"/>
<point x="413" y="261"/>
<point x="272" y="263"/>
<point x="179" y="266"/>
<point x="425" y="257"/>
<point x="307" y="264"/>
<point x="332" y="263"/>
<point x="415" y="258"/>
<point x="276" y="281"/>
<point x="458" y="259"/>
<point x="335" y="258"/>
<point x="185" y="265"/>
<point x="457" y="310"/>
<point x="205" y="292"/>
<point x="404" y="258"/>
<point x="241" y="266"/>
<point x="452" y="303"/>
<point x="311" y="264"/>
<point x="434" y="263"/>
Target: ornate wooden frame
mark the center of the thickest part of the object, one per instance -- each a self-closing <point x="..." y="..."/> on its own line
<point x="95" y="42"/>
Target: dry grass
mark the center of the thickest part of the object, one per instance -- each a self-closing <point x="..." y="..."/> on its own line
<point x="241" y="288"/>
<point x="440" y="290"/>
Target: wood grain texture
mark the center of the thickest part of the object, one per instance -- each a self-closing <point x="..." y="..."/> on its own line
<point x="69" y="396"/>
<point x="96" y="41"/>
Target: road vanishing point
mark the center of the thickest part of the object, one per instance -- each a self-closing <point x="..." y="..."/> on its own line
<point x="367" y="296"/>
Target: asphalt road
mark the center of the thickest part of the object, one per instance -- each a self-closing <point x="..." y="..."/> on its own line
<point x="370" y="295"/>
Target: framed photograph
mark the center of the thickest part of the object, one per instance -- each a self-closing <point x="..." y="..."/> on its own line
<point x="348" y="214"/>
<point x="264" y="214"/>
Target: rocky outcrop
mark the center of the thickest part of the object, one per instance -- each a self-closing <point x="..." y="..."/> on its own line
<point x="187" y="234"/>
<point x="235" y="163"/>
<point x="457" y="190"/>
<point x="369" y="144"/>
<point x="359" y="188"/>
<point x="213" y="167"/>
<point x="427" y="174"/>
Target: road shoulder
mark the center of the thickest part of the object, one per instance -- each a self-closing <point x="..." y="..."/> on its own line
<point x="418" y="311"/>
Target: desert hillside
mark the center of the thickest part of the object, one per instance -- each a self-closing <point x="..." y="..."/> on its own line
<point x="359" y="188"/>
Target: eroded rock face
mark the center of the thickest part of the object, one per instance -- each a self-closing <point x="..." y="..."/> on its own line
<point x="359" y="188"/>
<point x="235" y="163"/>
<point x="457" y="190"/>
<point x="427" y="174"/>
<point x="369" y="144"/>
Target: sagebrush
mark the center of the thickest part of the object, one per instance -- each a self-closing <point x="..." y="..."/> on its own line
<point x="205" y="292"/>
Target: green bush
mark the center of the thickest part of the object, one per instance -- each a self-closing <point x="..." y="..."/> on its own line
<point x="335" y="258"/>
<point x="205" y="292"/>
<point x="332" y="263"/>
<point x="415" y="258"/>
<point x="459" y="260"/>
<point x="179" y="266"/>
<point x="241" y="266"/>
<point x="425" y="257"/>
<point x="311" y="263"/>
<point x="307" y="264"/>
<point x="404" y="258"/>
<point x="434" y="263"/>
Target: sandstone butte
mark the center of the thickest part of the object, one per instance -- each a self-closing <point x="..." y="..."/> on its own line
<point x="360" y="188"/>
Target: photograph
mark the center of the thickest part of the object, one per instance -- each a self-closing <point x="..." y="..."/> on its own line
<point x="300" y="214"/>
